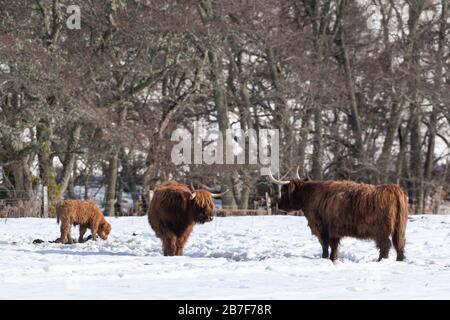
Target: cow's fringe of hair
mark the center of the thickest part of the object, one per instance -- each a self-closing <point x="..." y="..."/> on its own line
<point x="202" y="198"/>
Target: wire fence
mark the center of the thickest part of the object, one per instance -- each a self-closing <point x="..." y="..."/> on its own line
<point x="126" y="203"/>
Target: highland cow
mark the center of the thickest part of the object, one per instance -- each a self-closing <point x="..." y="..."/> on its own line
<point x="82" y="213"/>
<point x="337" y="209"/>
<point x="174" y="210"/>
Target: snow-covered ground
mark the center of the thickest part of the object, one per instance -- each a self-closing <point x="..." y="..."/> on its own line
<point x="264" y="257"/>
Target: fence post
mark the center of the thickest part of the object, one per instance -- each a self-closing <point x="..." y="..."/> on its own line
<point x="269" y="204"/>
<point x="45" y="201"/>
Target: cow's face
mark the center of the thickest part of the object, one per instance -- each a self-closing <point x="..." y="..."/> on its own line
<point x="289" y="200"/>
<point x="104" y="230"/>
<point x="204" y="216"/>
<point x="203" y="206"/>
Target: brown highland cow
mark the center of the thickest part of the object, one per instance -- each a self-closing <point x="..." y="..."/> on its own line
<point x="83" y="213"/>
<point x="174" y="210"/>
<point x="337" y="209"/>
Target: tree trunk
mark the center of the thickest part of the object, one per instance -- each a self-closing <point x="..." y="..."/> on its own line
<point x="110" y="195"/>
<point x="384" y="160"/>
<point x="111" y="186"/>
<point x="304" y="132"/>
<point x="71" y="188"/>
<point x="220" y="101"/>
<point x="129" y="176"/>
<point x="70" y="158"/>
<point x="429" y="158"/>
<point x="86" y="181"/>
<point x="244" y="198"/>
<point x="43" y="133"/>
<point x="282" y="114"/>
<point x="119" y="196"/>
<point x="400" y="165"/>
<point x="22" y="179"/>
<point x="355" y="121"/>
<point x="317" y="156"/>
<point x="248" y="176"/>
<point x="416" y="159"/>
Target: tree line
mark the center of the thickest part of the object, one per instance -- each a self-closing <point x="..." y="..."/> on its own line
<point x="359" y="90"/>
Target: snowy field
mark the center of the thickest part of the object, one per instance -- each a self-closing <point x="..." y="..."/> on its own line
<point x="268" y="257"/>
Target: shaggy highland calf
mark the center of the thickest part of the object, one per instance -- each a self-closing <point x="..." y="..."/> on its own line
<point x="337" y="209"/>
<point x="82" y="213"/>
<point x="174" y="210"/>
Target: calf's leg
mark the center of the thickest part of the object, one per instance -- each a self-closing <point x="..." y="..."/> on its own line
<point x="66" y="227"/>
<point x="69" y="235"/>
<point x="94" y="230"/>
<point x="63" y="236"/>
<point x="83" y="229"/>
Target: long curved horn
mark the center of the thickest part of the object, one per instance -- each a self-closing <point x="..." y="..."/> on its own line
<point x="280" y="182"/>
<point x="218" y="195"/>
<point x="208" y="188"/>
<point x="297" y="172"/>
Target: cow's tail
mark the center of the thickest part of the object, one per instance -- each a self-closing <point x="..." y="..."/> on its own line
<point x="398" y="237"/>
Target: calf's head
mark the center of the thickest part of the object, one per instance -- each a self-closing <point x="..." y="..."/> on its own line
<point x="104" y="229"/>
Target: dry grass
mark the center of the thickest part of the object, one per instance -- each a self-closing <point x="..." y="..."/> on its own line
<point x="20" y="208"/>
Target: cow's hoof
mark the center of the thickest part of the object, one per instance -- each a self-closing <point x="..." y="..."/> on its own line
<point x="401" y="257"/>
<point x="37" y="241"/>
<point x="71" y="241"/>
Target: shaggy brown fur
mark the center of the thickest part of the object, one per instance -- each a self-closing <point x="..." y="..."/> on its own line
<point x="336" y="209"/>
<point x="83" y="213"/>
<point x="173" y="214"/>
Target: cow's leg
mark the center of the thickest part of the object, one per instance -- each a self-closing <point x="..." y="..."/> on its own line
<point x="165" y="246"/>
<point x="384" y="244"/>
<point x="334" y="243"/>
<point x="325" y="242"/>
<point x="181" y="241"/>
<point x="169" y="245"/>
<point x="399" y="247"/>
<point x="179" y="247"/>
<point x="83" y="229"/>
